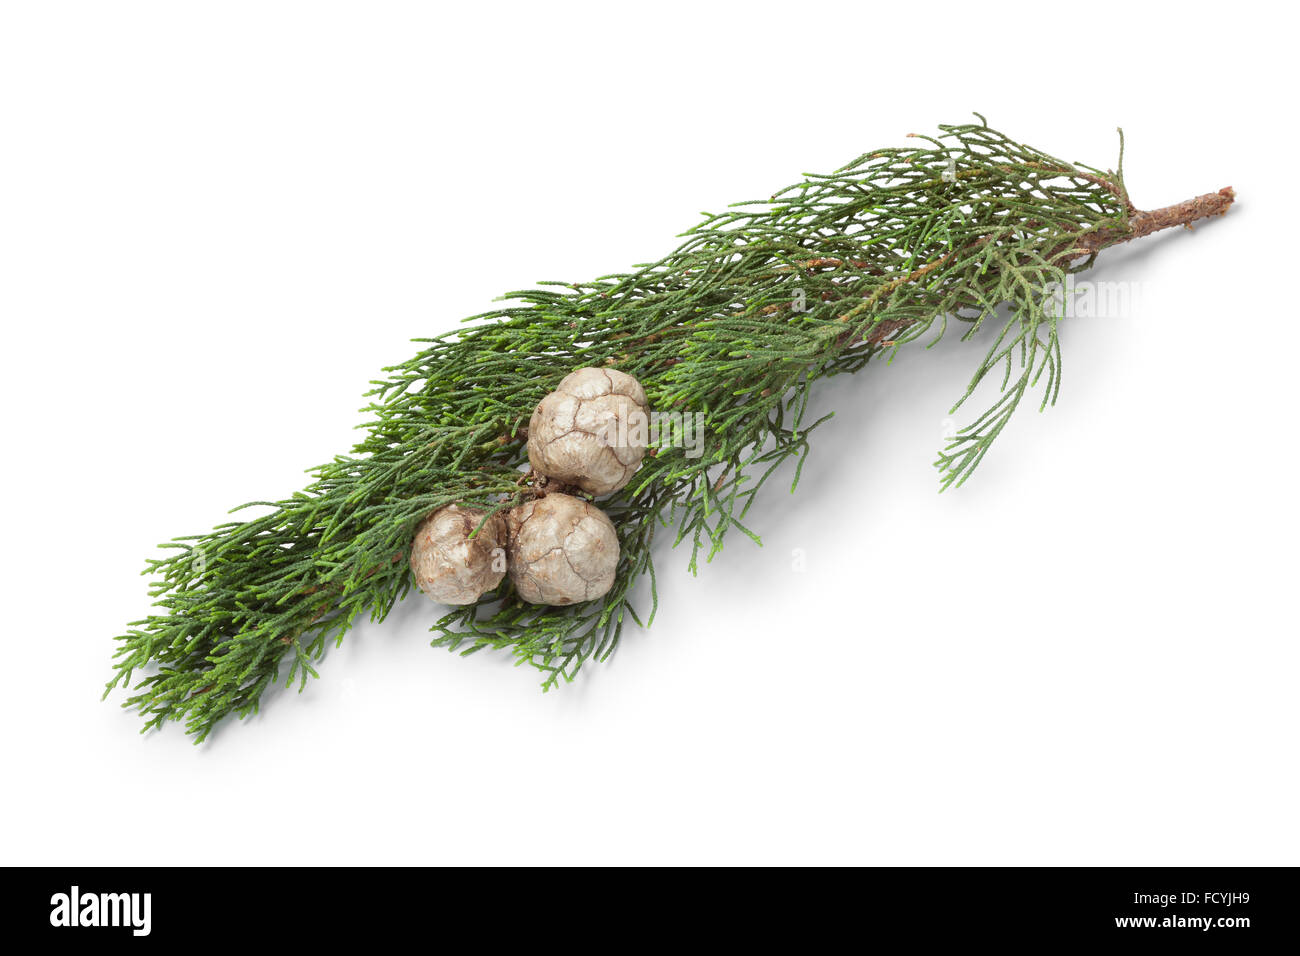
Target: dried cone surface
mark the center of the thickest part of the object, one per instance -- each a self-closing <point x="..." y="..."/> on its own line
<point x="591" y="430"/>
<point x="563" y="550"/>
<point x="449" y="565"/>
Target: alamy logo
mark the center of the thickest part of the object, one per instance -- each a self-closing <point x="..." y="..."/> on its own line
<point x="1085" y="299"/>
<point x="659" y="429"/>
<point x="102" y="909"/>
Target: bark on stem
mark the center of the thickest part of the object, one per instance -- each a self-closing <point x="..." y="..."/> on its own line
<point x="1144" y="222"/>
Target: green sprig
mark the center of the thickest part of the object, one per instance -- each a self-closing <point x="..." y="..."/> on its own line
<point x="755" y="305"/>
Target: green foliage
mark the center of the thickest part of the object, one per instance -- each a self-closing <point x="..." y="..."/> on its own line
<point x="756" y="304"/>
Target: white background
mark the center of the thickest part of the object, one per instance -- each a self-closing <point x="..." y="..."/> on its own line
<point x="219" y="221"/>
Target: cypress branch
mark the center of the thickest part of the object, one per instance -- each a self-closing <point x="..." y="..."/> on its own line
<point x="755" y="305"/>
